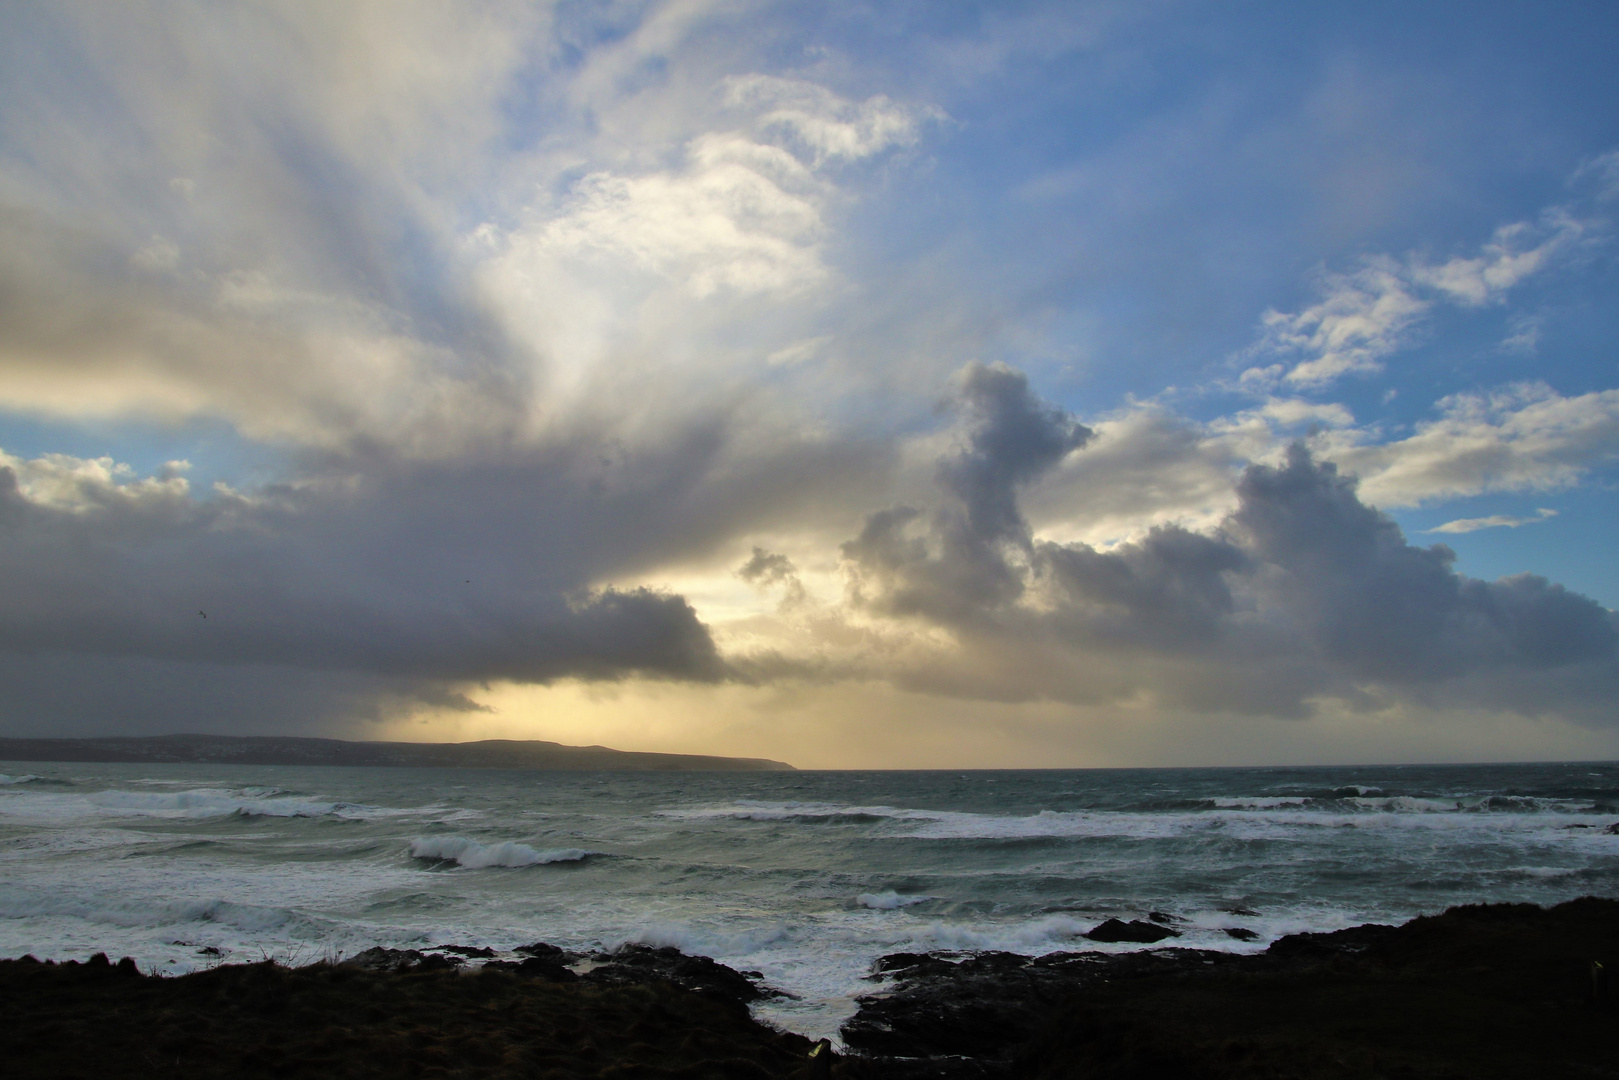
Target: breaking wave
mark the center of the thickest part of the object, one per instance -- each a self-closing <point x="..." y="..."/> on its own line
<point x="475" y="856"/>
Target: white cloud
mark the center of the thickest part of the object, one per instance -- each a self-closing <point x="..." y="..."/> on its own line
<point x="77" y="485"/>
<point x="1292" y="412"/>
<point x="1364" y="317"/>
<point x="832" y="128"/>
<point x="1524" y="437"/>
<point x="735" y="215"/>
<point x="1502" y="263"/>
<point x="1369" y="313"/>
<point x="1494" y="521"/>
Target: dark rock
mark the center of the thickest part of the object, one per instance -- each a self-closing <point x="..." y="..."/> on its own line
<point x="908" y="963"/>
<point x="966" y="1020"/>
<point x="126" y="966"/>
<point x="1135" y="930"/>
<point x="1241" y="933"/>
<point x="1162" y="919"/>
<point x="1612" y="830"/>
<point x="1355" y="939"/>
<point x="534" y="967"/>
<point x="549" y="952"/>
<point x="1496" y="991"/>
<point x="209" y="950"/>
<point x="399" y="960"/>
<point x="643" y="963"/>
<point x="466" y="950"/>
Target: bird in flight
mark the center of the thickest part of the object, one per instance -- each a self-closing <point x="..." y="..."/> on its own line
<point x="204" y="614"/>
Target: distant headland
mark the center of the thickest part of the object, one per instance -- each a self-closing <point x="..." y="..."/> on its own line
<point x="284" y="750"/>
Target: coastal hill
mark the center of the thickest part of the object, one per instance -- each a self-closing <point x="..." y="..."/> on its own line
<point x="281" y="750"/>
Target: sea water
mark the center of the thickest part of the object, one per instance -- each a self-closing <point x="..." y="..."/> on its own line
<point x="806" y="877"/>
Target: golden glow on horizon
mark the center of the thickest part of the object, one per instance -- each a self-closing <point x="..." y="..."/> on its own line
<point x="873" y="726"/>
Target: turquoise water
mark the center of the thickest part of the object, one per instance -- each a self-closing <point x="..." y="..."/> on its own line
<point x="805" y="877"/>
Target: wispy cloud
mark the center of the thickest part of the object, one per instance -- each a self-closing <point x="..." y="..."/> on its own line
<point x="1494" y="521"/>
<point x="1371" y="312"/>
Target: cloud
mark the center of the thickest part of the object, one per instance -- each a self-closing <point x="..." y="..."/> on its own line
<point x="1494" y="521"/>
<point x="1371" y="312"/>
<point x="737" y="215"/>
<point x="1306" y="591"/>
<point x="829" y="127"/>
<point x="310" y="577"/>
<point x="1011" y="438"/>
<point x="252" y="228"/>
<point x="1521" y="437"/>
<point x="1364" y="316"/>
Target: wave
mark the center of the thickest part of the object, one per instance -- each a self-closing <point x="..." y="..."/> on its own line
<point x="750" y="810"/>
<point x="711" y="943"/>
<point x="475" y="856"/>
<point x="135" y="912"/>
<point x="25" y="778"/>
<point x="1254" y="817"/>
<point x="209" y="802"/>
<point x="888" y="901"/>
<point x="1035" y="935"/>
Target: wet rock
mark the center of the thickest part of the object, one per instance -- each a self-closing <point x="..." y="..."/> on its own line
<point x="1241" y="933"/>
<point x="910" y="965"/>
<point x="467" y="951"/>
<point x="1135" y="930"/>
<point x="547" y="951"/>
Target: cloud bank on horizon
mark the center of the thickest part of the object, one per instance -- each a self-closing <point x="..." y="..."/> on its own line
<point x="424" y="370"/>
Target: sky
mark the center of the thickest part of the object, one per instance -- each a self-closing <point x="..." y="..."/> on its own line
<point x="899" y="385"/>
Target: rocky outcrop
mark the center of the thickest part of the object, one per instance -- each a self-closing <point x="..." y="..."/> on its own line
<point x="1483" y="991"/>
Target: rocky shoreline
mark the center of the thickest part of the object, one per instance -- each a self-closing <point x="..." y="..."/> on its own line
<point x="1505" y="990"/>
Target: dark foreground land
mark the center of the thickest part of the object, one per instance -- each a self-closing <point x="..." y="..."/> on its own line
<point x="287" y="750"/>
<point x="1492" y="991"/>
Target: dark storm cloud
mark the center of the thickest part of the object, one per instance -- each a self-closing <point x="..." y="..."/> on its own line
<point x="1303" y="592"/>
<point x="362" y="580"/>
<point x="1387" y="610"/>
<point x="767" y="568"/>
<point x="1011" y="439"/>
<point x="378" y="575"/>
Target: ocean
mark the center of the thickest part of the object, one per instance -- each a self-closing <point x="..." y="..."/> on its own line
<point x="805" y="877"/>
